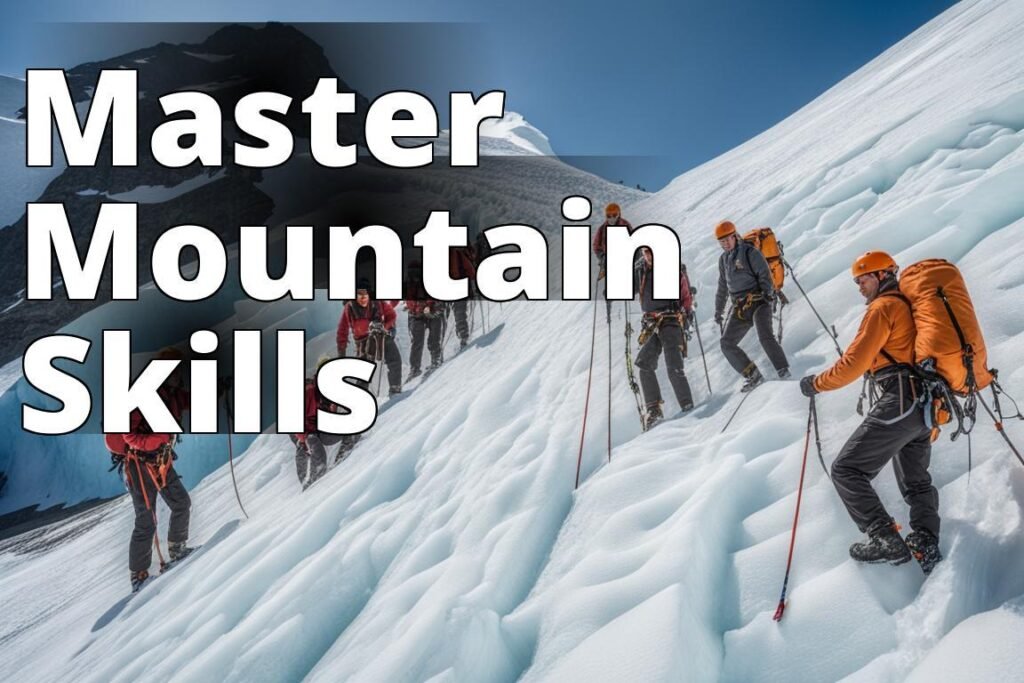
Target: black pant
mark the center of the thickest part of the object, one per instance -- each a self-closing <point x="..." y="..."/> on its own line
<point x="140" y="550"/>
<point x="883" y="436"/>
<point x="419" y="327"/>
<point x="668" y="338"/>
<point x="311" y="457"/>
<point x="392" y="356"/>
<point x="460" y="309"/>
<point x="760" y="316"/>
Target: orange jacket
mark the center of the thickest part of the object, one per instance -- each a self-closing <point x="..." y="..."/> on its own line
<point x="888" y="324"/>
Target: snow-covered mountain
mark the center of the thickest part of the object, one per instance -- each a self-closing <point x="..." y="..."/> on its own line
<point x="21" y="184"/>
<point x="451" y="546"/>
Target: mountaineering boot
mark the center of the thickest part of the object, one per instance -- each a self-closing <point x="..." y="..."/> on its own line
<point x="884" y="544"/>
<point x="784" y="373"/>
<point x="394" y="390"/>
<point x="433" y="366"/>
<point x="413" y="374"/>
<point x="138" y="579"/>
<point x="178" y="551"/>
<point x="925" y="549"/>
<point x="754" y="379"/>
<point x="463" y="343"/>
<point x="654" y="415"/>
<point x="686" y="407"/>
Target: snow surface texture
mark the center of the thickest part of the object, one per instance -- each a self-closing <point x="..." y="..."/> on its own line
<point x="450" y="545"/>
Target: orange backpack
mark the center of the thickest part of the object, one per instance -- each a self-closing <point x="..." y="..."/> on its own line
<point x="947" y="328"/>
<point x="764" y="240"/>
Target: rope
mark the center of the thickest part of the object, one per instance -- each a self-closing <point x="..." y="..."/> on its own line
<point x="634" y="387"/>
<point x="999" y="428"/>
<point x="231" y="453"/>
<point x="830" y="333"/>
<point x="586" y="404"/>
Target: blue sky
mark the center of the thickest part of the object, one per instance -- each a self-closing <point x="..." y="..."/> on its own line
<point x="663" y="86"/>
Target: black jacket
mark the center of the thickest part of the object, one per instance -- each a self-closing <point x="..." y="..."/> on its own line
<point x="742" y="271"/>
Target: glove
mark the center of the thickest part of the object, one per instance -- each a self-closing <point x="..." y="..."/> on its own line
<point x="807" y="386"/>
<point x="428" y="312"/>
<point x="601" y="266"/>
<point x="719" y="318"/>
<point x="392" y="332"/>
<point x="341" y="351"/>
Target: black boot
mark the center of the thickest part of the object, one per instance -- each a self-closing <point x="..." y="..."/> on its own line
<point x="654" y="415"/>
<point x="784" y="373"/>
<point x="394" y="390"/>
<point x="138" y="579"/>
<point x="463" y="343"/>
<point x="178" y="551"/>
<point x="413" y="374"/>
<point x="884" y="544"/>
<point x="754" y="379"/>
<point x="925" y="549"/>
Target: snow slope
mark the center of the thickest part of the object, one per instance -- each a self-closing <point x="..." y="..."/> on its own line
<point x="450" y="546"/>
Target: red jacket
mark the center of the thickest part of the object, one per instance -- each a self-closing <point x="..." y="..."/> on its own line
<point x="142" y="437"/>
<point x="415" y="307"/>
<point x="600" y="242"/>
<point x="461" y="263"/>
<point x="115" y="443"/>
<point x="314" y="400"/>
<point x="358" y="319"/>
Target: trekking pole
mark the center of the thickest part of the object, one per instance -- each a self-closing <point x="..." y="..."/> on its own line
<point x="700" y="343"/>
<point x="586" y="403"/>
<point x="831" y="333"/>
<point x="231" y="453"/>
<point x="609" y="316"/>
<point x="378" y="357"/>
<point x="735" y="412"/>
<point x="999" y="428"/>
<point x="796" y="516"/>
<point x="817" y="439"/>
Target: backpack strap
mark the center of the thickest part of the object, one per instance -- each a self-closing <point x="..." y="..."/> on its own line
<point x="965" y="348"/>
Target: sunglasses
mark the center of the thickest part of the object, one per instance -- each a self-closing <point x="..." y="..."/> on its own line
<point x="612" y="216"/>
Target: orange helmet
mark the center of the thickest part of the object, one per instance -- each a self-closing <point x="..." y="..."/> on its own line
<point x="724" y="229"/>
<point x="872" y="262"/>
<point x="612" y="210"/>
